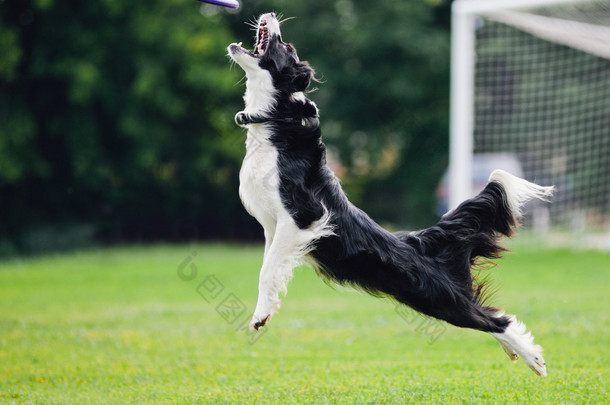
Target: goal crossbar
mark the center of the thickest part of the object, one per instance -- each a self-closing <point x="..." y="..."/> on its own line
<point x="479" y="7"/>
<point x="590" y="38"/>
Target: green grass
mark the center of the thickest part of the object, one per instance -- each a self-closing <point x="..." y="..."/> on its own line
<point x="119" y="325"/>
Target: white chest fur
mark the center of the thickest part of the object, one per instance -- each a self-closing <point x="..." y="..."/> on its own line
<point x="258" y="178"/>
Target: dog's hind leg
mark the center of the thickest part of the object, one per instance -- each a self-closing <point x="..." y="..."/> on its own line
<point x="508" y="331"/>
<point x="516" y="341"/>
<point x="512" y="335"/>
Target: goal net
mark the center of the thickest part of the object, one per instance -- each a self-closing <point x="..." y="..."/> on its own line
<point x="540" y="96"/>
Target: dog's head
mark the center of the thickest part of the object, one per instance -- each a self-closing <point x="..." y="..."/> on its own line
<point x="272" y="55"/>
<point x="276" y="79"/>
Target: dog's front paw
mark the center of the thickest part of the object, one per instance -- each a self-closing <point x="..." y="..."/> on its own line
<point x="258" y="322"/>
<point x="266" y="307"/>
<point x="241" y="119"/>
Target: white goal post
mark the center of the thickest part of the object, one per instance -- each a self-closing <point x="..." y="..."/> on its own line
<point x="502" y="100"/>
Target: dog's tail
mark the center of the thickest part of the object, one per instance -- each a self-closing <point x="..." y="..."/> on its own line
<point x="472" y="231"/>
<point x="462" y="240"/>
<point x="517" y="192"/>
<point x="497" y="210"/>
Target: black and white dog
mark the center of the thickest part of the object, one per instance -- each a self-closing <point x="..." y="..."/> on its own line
<point x="286" y="185"/>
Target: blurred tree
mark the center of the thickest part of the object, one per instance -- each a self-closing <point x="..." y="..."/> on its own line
<point x="119" y="114"/>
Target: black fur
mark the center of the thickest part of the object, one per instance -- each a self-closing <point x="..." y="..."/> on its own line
<point x="429" y="270"/>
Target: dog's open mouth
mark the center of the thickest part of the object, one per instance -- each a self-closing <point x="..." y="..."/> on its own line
<point x="267" y="27"/>
<point x="262" y="38"/>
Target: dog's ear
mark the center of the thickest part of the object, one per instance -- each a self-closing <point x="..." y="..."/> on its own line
<point x="303" y="75"/>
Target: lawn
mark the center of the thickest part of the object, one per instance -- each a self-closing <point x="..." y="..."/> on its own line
<point x="166" y="324"/>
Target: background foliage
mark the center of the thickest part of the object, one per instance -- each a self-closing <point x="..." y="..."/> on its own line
<point x="116" y="118"/>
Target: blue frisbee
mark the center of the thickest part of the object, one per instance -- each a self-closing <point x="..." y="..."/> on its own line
<point x="224" y="3"/>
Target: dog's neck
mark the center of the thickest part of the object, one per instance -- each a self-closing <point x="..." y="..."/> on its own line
<point x="260" y="93"/>
<point x="260" y="99"/>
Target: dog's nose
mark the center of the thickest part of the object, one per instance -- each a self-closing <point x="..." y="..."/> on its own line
<point x="272" y="15"/>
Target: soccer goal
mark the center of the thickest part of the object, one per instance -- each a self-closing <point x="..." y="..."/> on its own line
<point x="531" y="83"/>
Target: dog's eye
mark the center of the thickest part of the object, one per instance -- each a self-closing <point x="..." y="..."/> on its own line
<point x="289" y="48"/>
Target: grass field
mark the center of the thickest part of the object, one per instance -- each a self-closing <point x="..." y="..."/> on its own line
<point x="165" y="324"/>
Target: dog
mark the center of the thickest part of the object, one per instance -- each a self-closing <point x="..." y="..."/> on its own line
<point x="287" y="186"/>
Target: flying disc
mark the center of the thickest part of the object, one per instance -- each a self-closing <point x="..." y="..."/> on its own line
<point x="224" y="3"/>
